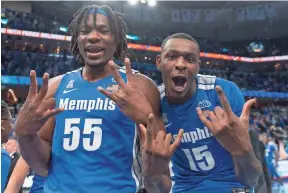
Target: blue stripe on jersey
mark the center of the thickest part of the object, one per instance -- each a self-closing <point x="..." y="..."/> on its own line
<point x="38" y="183"/>
<point x="93" y="142"/>
<point x="201" y="164"/>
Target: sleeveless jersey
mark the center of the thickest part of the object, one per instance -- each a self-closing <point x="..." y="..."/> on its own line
<point x="93" y="149"/>
<point x="201" y="164"/>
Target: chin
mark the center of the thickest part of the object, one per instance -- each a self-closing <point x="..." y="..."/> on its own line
<point x="177" y="97"/>
<point x="96" y="63"/>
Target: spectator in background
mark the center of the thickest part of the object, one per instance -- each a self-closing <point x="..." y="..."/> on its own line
<point x="263" y="185"/>
<point x="12" y="148"/>
<point x="272" y="153"/>
<point x="6" y="128"/>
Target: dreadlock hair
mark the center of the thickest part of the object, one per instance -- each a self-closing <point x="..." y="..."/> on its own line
<point x="118" y="27"/>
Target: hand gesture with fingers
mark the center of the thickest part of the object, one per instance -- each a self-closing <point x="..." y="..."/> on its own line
<point x="156" y="152"/>
<point x="130" y="101"/>
<point x="35" y="111"/>
<point x="230" y="131"/>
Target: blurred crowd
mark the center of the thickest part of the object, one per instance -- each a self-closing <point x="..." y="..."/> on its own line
<point x="51" y="24"/>
<point x="33" y="22"/>
<point x="269" y="117"/>
<point x="19" y="63"/>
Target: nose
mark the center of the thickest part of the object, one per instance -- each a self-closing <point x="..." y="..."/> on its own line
<point x="94" y="36"/>
<point x="180" y="64"/>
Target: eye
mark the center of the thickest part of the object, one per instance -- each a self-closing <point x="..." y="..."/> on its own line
<point x="104" y="31"/>
<point x="84" y="31"/>
<point x="171" y="57"/>
<point x="191" y="59"/>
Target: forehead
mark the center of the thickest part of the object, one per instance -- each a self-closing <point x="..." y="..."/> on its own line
<point x="181" y="45"/>
<point x="101" y="20"/>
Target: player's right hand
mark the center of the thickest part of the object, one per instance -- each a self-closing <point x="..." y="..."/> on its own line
<point x="36" y="110"/>
<point x="156" y="152"/>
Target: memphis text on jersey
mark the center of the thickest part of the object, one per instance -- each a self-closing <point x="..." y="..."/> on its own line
<point x="87" y="105"/>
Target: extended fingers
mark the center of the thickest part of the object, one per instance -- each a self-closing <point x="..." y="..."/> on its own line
<point x="52" y="112"/>
<point x="220" y="114"/>
<point x="107" y="93"/>
<point x="177" y="142"/>
<point x="247" y="107"/>
<point x="129" y="73"/>
<point x="44" y="88"/>
<point x="203" y="119"/>
<point x="116" y="74"/>
<point x="224" y="101"/>
<point x="33" y="85"/>
<point x="150" y="131"/>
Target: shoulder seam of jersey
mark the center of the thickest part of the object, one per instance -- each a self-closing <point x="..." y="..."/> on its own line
<point x="123" y="69"/>
<point x="206" y="79"/>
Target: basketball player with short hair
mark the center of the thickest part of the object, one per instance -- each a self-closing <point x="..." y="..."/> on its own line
<point x="76" y="134"/>
<point x="215" y="154"/>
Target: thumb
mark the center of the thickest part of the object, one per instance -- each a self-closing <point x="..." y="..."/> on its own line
<point x="142" y="132"/>
<point x="247" y="107"/>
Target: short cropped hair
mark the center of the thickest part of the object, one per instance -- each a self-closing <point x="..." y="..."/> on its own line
<point x="179" y="36"/>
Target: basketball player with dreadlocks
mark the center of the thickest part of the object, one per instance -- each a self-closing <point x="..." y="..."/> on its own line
<point x="78" y="135"/>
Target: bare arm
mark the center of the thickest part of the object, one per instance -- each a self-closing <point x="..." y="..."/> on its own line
<point x="17" y="177"/>
<point x="158" y="184"/>
<point x="247" y="168"/>
<point x="161" y="183"/>
<point x="36" y="151"/>
<point x="40" y="142"/>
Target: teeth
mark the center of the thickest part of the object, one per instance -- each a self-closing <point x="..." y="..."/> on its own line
<point x="94" y="50"/>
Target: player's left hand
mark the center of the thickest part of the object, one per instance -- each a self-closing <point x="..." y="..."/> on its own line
<point x="156" y="148"/>
<point x="231" y="131"/>
<point x="130" y="101"/>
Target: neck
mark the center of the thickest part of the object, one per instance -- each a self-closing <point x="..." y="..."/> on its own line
<point x="93" y="74"/>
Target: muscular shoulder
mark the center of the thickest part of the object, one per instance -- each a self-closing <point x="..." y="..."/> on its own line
<point x="53" y="85"/>
<point x="148" y="87"/>
<point x="145" y="82"/>
<point x="226" y="85"/>
<point x="231" y="90"/>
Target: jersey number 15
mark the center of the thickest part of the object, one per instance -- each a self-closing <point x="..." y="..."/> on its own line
<point x="203" y="157"/>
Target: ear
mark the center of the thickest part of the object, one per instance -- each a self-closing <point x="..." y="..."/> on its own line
<point x="199" y="65"/>
<point x="158" y="62"/>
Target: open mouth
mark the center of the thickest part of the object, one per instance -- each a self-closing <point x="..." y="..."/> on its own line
<point x="94" y="50"/>
<point x="179" y="83"/>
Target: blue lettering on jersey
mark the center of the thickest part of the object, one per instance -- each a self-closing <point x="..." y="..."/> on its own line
<point x="201" y="164"/>
<point x="93" y="146"/>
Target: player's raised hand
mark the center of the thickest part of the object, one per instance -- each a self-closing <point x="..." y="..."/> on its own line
<point x="231" y="131"/>
<point x="36" y="110"/>
<point x="156" y="148"/>
<point x="130" y="101"/>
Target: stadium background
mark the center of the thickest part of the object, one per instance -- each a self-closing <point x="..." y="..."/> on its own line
<point x="245" y="42"/>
